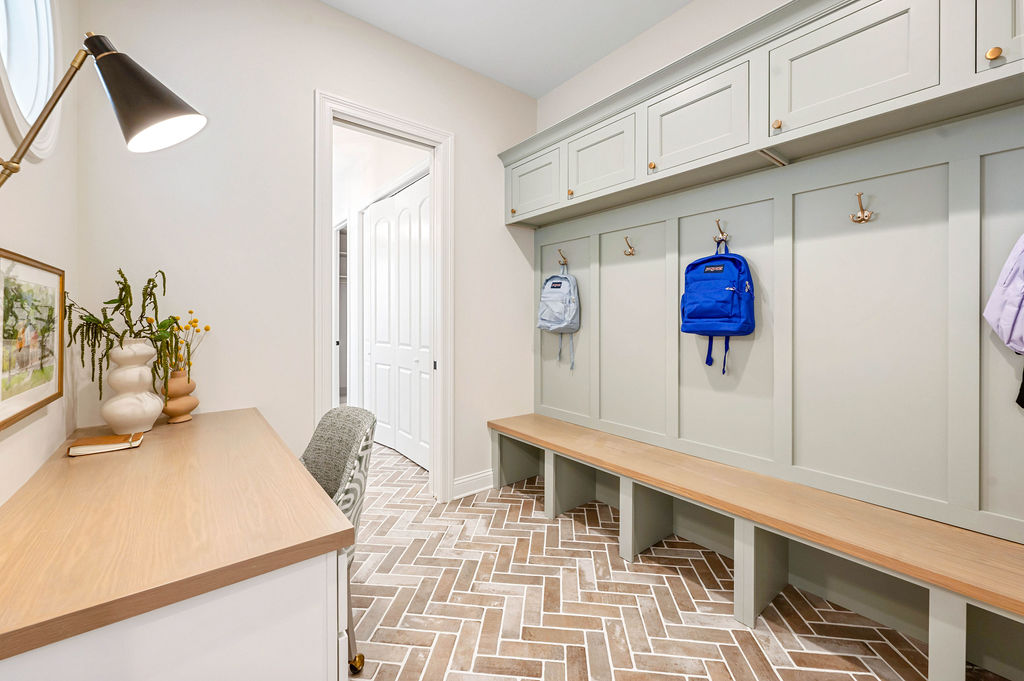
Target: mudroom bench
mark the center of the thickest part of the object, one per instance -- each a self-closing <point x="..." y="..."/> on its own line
<point x="968" y="587"/>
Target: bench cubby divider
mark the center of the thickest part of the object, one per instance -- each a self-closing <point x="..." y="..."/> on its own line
<point x="761" y="569"/>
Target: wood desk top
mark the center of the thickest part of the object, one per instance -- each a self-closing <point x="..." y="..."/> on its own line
<point x="988" y="569"/>
<point x="96" y="539"/>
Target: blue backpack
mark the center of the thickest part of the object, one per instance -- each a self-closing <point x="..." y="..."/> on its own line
<point x="718" y="299"/>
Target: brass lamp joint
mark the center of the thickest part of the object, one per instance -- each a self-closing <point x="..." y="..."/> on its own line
<point x="79" y="59"/>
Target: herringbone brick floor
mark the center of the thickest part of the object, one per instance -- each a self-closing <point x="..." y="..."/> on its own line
<point x="486" y="588"/>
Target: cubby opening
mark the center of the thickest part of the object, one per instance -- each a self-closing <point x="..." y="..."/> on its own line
<point x="655" y="515"/>
<point x="701" y="525"/>
<point x="516" y="461"/>
<point x="868" y="592"/>
<point x="995" y="645"/>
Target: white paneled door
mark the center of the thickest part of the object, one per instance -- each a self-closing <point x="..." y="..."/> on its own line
<point x="398" y="308"/>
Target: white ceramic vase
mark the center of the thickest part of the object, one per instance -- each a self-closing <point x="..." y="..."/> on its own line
<point x="135" y="407"/>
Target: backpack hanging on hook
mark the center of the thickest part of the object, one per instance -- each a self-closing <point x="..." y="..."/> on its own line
<point x="559" y="308"/>
<point x="718" y="298"/>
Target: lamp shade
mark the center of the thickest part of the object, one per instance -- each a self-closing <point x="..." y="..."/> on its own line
<point x="151" y="116"/>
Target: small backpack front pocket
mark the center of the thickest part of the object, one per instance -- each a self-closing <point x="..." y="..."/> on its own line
<point x="714" y="299"/>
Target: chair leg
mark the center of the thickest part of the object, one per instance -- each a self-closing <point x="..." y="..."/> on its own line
<point x="355" y="658"/>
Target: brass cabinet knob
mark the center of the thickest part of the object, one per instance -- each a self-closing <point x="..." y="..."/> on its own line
<point x="652" y="165"/>
<point x="570" y="192"/>
<point x="777" y="124"/>
<point x="994" y="53"/>
<point x="513" y="211"/>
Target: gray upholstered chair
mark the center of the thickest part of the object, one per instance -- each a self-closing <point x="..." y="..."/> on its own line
<point x="338" y="457"/>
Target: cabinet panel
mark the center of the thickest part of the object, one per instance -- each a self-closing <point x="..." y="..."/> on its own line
<point x="603" y="158"/>
<point x="710" y="404"/>
<point x="1000" y="27"/>
<point x="700" y="120"/>
<point x="632" y="320"/>
<point x="536" y="183"/>
<point x="870" y="332"/>
<point x="1002" y="421"/>
<point x="886" y="50"/>
<point x="560" y="387"/>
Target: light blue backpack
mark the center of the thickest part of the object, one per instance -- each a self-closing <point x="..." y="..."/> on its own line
<point x="559" y="309"/>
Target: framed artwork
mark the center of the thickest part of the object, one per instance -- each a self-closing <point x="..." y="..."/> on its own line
<point x="32" y="367"/>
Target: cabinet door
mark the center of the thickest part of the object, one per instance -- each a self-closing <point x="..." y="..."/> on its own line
<point x="1000" y="32"/>
<point x="603" y="158"/>
<point x="699" y="120"/>
<point x="534" y="184"/>
<point x="886" y="50"/>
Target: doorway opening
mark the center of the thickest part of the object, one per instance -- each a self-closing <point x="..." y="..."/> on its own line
<point x="383" y="279"/>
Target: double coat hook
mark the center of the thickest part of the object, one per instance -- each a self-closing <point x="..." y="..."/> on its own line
<point x="629" y="247"/>
<point x="861" y="216"/>
<point x="721" y="236"/>
<point x="563" y="261"/>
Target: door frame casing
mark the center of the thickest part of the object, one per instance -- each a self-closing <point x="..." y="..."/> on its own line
<point x="330" y="109"/>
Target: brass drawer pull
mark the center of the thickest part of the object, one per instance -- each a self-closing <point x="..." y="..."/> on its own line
<point x="994" y="53"/>
<point x="777" y="124"/>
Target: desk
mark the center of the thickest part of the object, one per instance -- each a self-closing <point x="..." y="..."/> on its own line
<point x="208" y="552"/>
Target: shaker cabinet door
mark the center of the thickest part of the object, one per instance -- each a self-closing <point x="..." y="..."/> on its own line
<point x="1000" y="33"/>
<point x="699" y="120"/>
<point x="534" y="184"/>
<point x="602" y="158"/>
<point x="884" y="51"/>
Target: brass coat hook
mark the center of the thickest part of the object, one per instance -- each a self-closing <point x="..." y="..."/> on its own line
<point x="721" y="236"/>
<point x="563" y="261"/>
<point x="629" y="250"/>
<point x="861" y="215"/>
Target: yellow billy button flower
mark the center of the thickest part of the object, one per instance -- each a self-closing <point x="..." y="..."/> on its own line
<point x="206" y="328"/>
<point x="149" y="319"/>
<point x="191" y="311"/>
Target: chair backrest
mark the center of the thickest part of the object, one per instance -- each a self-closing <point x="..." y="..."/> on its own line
<point x="338" y="457"/>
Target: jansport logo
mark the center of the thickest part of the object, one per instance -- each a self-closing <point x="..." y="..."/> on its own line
<point x="556" y="284"/>
<point x="714" y="268"/>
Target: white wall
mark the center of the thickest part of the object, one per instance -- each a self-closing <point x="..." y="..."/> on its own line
<point x="38" y="218"/>
<point x="697" y="24"/>
<point x="229" y="214"/>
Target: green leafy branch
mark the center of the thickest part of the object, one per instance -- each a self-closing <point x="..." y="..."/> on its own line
<point x="97" y="334"/>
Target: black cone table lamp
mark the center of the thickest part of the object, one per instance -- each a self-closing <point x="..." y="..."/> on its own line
<point x="150" y="115"/>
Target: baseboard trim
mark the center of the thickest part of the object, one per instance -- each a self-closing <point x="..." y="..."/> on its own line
<point x="465" y="485"/>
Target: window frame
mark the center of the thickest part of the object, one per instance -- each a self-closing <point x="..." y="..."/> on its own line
<point x="14" y="118"/>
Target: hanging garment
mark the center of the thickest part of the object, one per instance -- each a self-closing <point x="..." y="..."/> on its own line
<point x="559" y="310"/>
<point x="718" y="299"/>
<point x="1005" y="309"/>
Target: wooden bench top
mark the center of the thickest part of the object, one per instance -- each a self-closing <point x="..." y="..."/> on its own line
<point x="92" y="540"/>
<point x="985" y="568"/>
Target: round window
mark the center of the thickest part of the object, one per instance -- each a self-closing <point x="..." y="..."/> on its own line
<point x="27" y="67"/>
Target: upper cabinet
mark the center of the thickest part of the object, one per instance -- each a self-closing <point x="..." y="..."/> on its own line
<point x="698" y="120"/>
<point x="881" y="52"/>
<point x="602" y="158"/>
<point x="534" y="184"/>
<point x="807" y="78"/>
<point x="1000" y="33"/>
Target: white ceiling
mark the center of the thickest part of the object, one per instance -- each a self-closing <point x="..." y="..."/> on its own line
<point x="530" y="45"/>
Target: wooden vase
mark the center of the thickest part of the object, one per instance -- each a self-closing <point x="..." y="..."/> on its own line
<point x="180" y="401"/>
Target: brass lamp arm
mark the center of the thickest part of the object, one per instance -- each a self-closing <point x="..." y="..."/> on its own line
<point x="13" y="165"/>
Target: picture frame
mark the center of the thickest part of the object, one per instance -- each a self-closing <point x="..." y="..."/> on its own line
<point x="32" y="357"/>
